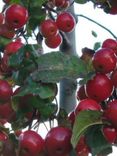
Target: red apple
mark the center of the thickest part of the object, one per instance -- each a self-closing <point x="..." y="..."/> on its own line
<point x="104" y="60"/>
<point x="16" y="16"/>
<point x="57" y="141"/>
<point x="110" y="134"/>
<point x="87" y="104"/>
<point x="99" y="87"/>
<point x="110" y="113"/>
<point x="53" y="41"/>
<point x="110" y="43"/>
<point x="12" y="47"/>
<point x="30" y="143"/>
<point x="48" y="28"/>
<point x="65" y="22"/>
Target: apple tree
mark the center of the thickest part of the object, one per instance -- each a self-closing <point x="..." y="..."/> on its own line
<point x="31" y="81"/>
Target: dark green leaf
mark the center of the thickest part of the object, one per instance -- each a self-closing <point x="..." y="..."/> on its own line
<point x="97" y="142"/>
<point x="84" y="120"/>
<point x="94" y="33"/>
<point x="16" y="59"/>
<point x="97" y="45"/>
<point x="81" y="1"/>
<point x="37" y="15"/>
<point x="54" y="66"/>
<point x="43" y="90"/>
<point x="47" y="111"/>
<point x="14" y="1"/>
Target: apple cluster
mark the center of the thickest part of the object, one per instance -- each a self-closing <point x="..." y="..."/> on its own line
<point x="99" y="92"/>
<point x="51" y="30"/>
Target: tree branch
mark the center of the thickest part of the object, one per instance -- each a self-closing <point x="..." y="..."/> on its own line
<point x="108" y="30"/>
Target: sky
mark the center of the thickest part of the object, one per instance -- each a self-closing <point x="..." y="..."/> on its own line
<point x="84" y="38"/>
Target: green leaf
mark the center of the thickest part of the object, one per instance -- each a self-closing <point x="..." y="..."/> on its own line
<point x="94" y="33"/>
<point x="81" y="1"/>
<point x="54" y="66"/>
<point x="43" y="90"/>
<point x="97" y="45"/>
<point x="97" y="142"/>
<point x="16" y="59"/>
<point x="14" y="1"/>
<point x="37" y="15"/>
<point x="84" y="120"/>
<point x="47" y="111"/>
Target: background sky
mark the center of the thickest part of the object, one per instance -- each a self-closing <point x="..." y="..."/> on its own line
<point x="84" y="38"/>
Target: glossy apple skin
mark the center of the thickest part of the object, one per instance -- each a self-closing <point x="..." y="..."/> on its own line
<point x="5" y="91"/>
<point x="110" y="113"/>
<point x="87" y="104"/>
<point x="30" y="143"/>
<point x="104" y="60"/>
<point x="65" y="22"/>
<point x="110" y="43"/>
<point x="81" y="94"/>
<point x="110" y="134"/>
<point x="53" y="41"/>
<point x="99" y="87"/>
<point x="48" y="28"/>
<point x="57" y="141"/>
<point x="16" y="16"/>
<point x="12" y="47"/>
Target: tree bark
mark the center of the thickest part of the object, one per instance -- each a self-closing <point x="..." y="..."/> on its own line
<point x="68" y="87"/>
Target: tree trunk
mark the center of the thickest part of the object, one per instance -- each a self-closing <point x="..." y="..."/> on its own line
<point x="68" y="87"/>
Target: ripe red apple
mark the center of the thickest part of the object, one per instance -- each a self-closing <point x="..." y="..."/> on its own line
<point x="48" y="28"/>
<point x="65" y="22"/>
<point x="87" y="104"/>
<point x="104" y="60"/>
<point x="30" y="143"/>
<point x="53" y="41"/>
<point x="110" y="134"/>
<point x="5" y="91"/>
<point x="110" y="113"/>
<point x="81" y="94"/>
<point x="16" y="16"/>
<point x="81" y="148"/>
<point x="110" y="43"/>
<point x="99" y="87"/>
<point x="12" y="47"/>
<point x="57" y="141"/>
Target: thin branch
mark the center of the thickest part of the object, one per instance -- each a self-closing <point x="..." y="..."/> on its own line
<point x="80" y="15"/>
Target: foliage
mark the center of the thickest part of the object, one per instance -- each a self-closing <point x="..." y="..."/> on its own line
<point x="34" y="75"/>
